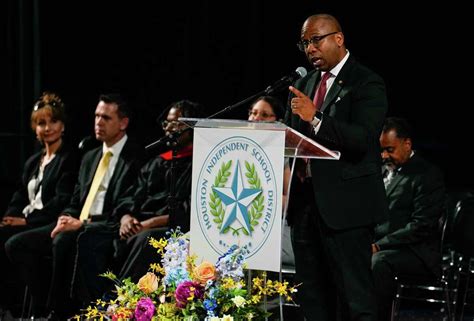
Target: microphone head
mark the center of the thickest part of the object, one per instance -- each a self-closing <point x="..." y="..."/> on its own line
<point x="301" y="71"/>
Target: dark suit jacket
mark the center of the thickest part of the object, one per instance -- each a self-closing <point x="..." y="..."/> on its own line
<point x="349" y="192"/>
<point x="57" y="186"/>
<point x="125" y="174"/>
<point x="416" y="198"/>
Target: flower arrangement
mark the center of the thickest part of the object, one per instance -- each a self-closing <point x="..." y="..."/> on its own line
<point x="179" y="289"/>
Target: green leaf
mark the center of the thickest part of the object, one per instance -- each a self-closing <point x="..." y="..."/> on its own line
<point x="257" y="206"/>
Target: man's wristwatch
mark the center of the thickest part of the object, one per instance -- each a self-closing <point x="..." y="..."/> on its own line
<point x="317" y="118"/>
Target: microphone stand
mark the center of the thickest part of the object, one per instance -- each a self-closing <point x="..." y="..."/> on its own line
<point x="168" y="140"/>
<point x="172" y="203"/>
<point x="240" y="103"/>
<point x="277" y="86"/>
<point x="268" y="91"/>
<point x="165" y="140"/>
<point x="171" y="141"/>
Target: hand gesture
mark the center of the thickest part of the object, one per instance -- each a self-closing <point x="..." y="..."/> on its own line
<point x="302" y="105"/>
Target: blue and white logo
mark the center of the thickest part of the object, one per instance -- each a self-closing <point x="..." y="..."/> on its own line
<point x="236" y="196"/>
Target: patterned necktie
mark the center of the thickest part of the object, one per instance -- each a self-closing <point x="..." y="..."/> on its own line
<point x="98" y="177"/>
<point x="321" y="92"/>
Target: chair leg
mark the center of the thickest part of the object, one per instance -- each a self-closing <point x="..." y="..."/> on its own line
<point x="466" y="289"/>
<point x="396" y="304"/>
<point x="448" y="301"/>
<point x="26" y="302"/>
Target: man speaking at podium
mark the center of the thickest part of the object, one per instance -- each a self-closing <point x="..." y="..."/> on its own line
<point x="341" y="105"/>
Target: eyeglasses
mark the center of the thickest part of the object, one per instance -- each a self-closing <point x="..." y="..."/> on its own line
<point x="263" y="114"/>
<point x="170" y="125"/>
<point x="314" y="40"/>
<point x="41" y="104"/>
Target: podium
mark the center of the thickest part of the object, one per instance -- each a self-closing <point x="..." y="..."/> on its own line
<point x="237" y="188"/>
<point x="297" y="145"/>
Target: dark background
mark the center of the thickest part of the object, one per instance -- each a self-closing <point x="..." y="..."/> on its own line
<point x="220" y="52"/>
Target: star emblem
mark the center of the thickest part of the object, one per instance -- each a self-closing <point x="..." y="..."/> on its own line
<point x="236" y="199"/>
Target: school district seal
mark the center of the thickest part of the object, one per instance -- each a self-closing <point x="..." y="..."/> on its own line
<point x="236" y="201"/>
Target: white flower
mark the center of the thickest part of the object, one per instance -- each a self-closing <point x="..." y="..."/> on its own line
<point x="227" y="318"/>
<point x="111" y="308"/>
<point x="163" y="298"/>
<point x="238" y="301"/>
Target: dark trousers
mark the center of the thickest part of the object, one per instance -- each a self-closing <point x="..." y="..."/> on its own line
<point x="40" y="257"/>
<point x="76" y="258"/>
<point x="385" y="265"/>
<point x="94" y="256"/>
<point x="139" y="254"/>
<point x="11" y="286"/>
<point x="334" y="269"/>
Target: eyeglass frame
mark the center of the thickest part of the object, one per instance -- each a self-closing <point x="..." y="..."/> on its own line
<point x="263" y="114"/>
<point x="174" y="123"/>
<point x="314" y="40"/>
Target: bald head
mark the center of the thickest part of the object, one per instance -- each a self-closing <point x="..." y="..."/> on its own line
<point x="325" y="20"/>
<point x="323" y="41"/>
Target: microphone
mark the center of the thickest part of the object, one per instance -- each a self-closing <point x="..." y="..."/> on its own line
<point x="169" y="141"/>
<point x="284" y="82"/>
<point x="281" y="84"/>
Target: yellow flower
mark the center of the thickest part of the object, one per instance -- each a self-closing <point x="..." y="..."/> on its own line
<point x="158" y="245"/>
<point x="157" y="268"/>
<point x="204" y="272"/>
<point x="148" y="283"/>
<point x="227" y="318"/>
<point x="255" y="298"/>
<point x="257" y="282"/>
<point x="229" y="284"/>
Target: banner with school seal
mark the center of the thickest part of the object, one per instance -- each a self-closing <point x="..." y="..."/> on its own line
<point x="237" y="194"/>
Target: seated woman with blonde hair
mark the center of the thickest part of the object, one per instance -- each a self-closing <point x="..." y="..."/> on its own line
<point x="46" y="185"/>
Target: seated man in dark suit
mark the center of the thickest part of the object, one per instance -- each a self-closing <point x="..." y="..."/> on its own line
<point x="162" y="197"/>
<point x="81" y="241"/>
<point x="408" y="242"/>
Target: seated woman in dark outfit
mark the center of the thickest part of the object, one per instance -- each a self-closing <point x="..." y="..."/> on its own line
<point x="46" y="186"/>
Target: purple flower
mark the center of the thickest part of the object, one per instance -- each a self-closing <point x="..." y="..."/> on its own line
<point x="145" y="309"/>
<point x="188" y="291"/>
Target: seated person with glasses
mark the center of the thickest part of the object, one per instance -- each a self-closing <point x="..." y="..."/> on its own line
<point x="162" y="197"/>
<point x="268" y="108"/>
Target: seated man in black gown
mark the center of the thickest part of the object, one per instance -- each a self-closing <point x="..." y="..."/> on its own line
<point x="162" y="197"/>
<point x="407" y="242"/>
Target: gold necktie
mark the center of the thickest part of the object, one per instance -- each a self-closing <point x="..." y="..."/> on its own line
<point x="99" y="175"/>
